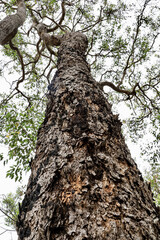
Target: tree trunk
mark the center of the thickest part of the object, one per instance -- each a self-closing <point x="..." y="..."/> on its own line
<point x="10" y="24"/>
<point x="84" y="183"/>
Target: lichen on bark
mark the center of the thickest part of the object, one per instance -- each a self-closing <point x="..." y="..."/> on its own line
<point x="84" y="183"/>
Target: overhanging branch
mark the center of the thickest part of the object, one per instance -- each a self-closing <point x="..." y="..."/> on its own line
<point x="21" y="61"/>
<point x="117" y="89"/>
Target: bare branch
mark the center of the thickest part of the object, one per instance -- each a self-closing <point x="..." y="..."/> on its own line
<point x="58" y="25"/>
<point x="51" y="51"/>
<point x="21" y="61"/>
<point x="23" y="71"/>
<point x="117" y="89"/>
<point x="74" y="17"/>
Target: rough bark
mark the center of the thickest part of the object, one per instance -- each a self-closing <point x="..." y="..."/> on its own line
<point x="84" y="183"/>
<point x="10" y="24"/>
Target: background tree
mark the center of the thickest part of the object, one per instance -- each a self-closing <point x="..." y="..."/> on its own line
<point x="117" y="54"/>
<point x="10" y="205"/>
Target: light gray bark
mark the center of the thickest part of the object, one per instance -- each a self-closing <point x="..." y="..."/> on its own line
<point x="10" y="24"/>
<point x="84" y="183"/>
<point x="52" y="40"/>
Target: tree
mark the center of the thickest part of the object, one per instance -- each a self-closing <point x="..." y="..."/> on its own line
<point x="10" y="205"/>
<point x="82" y="169"/>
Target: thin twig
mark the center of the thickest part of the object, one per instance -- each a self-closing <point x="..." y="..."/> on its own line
<point x="3" y="211"/>
<point x="21" y="61"/>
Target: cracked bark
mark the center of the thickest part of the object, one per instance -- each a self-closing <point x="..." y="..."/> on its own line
<point x="84" y="183"/>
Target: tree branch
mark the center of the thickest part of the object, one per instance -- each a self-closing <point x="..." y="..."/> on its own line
<point x="139" y="23"/>
<point x="117" y="89"/>
<point x="21" y="61"/>
<point x="10" y="24"/>
<point x="58" y="25"/>
<point x="4" y="212"/>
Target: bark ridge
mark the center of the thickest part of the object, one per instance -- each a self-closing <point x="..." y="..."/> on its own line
<point x="84" y="183"/>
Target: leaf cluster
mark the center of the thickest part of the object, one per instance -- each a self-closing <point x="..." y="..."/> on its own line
<point x="19" y="133"/>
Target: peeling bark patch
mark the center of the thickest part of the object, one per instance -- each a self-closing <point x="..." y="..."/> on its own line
<point x="75" y="188"/>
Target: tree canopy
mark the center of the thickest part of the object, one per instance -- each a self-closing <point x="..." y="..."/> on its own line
<point x="123" y="55"/>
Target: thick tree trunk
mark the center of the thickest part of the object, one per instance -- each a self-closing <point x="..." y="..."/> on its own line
<point x="84" y="183"/>
<point x="10" y="24"/>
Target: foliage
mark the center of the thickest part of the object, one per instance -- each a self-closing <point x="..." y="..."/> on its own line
<point x="19" y="134"/>
<point x="123" y="54"/>
<point x="152" y="155"/>
<point x="153" y="177"/>
<point x="10" y="206"/>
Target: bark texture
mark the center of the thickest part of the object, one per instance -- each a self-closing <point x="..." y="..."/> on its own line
<point x="84" y="183"/>
<point x="10" y="24"/>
